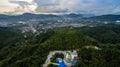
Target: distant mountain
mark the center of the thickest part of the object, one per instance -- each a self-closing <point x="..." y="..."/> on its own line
<point x="72" y="15"/>
<point x="29" y="16"/>
<point x="109" y="17"/>
<point x="26" y="16"/>
<point x="3" y="17"/>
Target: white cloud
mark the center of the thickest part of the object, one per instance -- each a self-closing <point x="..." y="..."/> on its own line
<point x="60" y="6"/>
<point x="5" y="6"/>
<point x="76" y="6"/>
<point x="117" y="10"/>
<point x="24" y="6"/>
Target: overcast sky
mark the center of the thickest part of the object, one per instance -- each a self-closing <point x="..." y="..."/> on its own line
<point x="97" y="7"/>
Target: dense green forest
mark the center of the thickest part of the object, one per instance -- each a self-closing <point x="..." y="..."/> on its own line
<point x="33" y="50"/>
<point x="9" y="36"/>
<point x="105" y="33"/>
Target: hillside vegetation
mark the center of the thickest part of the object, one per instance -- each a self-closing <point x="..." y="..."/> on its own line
<point x="33" y="52"/>
<point x="105" y="34"/>
<point x="9" y="36"/>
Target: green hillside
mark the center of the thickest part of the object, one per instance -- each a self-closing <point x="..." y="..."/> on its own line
<point x="109" y="33"/>
<point x="33" y="53"/>
<point x="9" y="36"/>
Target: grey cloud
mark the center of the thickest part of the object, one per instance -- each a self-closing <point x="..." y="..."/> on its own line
<point x="69" y="6"/>
<point x="24" y="6"/>
<point x="47" y="2"/>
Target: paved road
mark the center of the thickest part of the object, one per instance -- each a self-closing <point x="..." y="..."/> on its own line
<point x="64" y="52"/>
<point x="50" y="56"/>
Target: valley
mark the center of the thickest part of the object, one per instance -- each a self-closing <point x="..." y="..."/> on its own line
<point x="28" y="43"/>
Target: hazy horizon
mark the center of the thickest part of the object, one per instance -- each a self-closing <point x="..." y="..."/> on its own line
<point x="96" y="7"/>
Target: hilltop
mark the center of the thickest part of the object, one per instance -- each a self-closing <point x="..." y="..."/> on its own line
<point x="33" y="53"/>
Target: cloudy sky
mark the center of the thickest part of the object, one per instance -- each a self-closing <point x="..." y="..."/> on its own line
<point x="97" y="7"/>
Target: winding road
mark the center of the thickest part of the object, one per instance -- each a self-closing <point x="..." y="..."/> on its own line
<point x="47" y="62"/>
